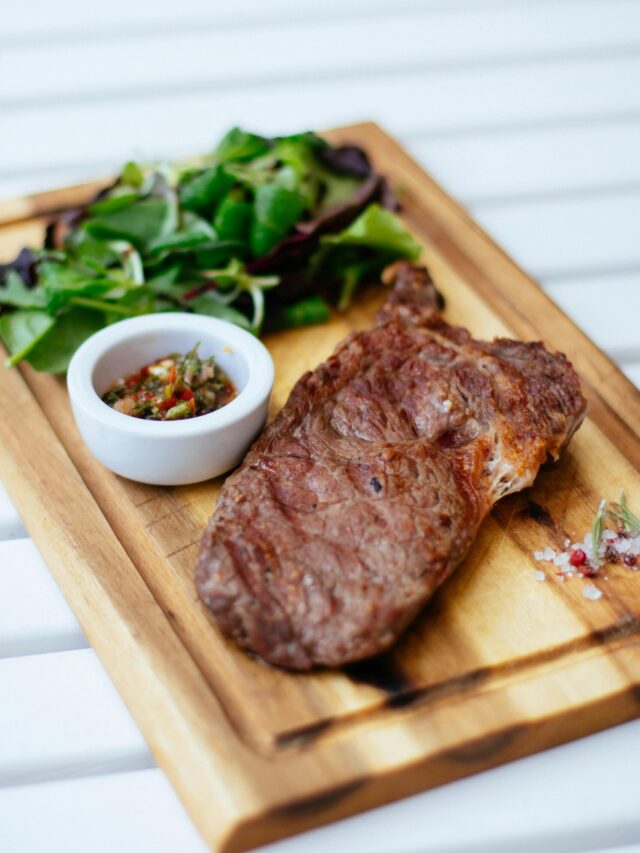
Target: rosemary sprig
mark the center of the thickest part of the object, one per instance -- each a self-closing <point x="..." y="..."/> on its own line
<point x="621" y="512"/>
<point x="596" y="533"/>
<point x="632" y="519"/>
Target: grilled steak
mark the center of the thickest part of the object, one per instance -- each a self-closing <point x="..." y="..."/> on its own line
<point x="369" y="487"/>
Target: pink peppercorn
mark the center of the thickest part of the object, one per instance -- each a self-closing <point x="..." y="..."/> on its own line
<point x="578" y="557"/>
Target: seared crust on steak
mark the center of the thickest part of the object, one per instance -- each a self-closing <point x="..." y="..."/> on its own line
<point x="370" y="485"/>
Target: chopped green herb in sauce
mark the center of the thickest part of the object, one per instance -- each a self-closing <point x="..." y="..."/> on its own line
<point x="172" y="388"/>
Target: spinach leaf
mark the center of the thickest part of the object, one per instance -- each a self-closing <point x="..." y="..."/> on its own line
<point x="54" y="350"/>
<point x="240" y="146"/>
<point x="112" y="204"/>
<point x="81" y="244"/>
<point x="140" y="223"/>
<point x="138" y="300"/>
<point x="16" y="293"/>
<point x="275" y="212"/>
<point x="133" y="174"/>
<point x="164" y="284"/>
<point x="233" y="219"/>
<point x="193" y="232"/>
<point x="205" y="189"/>
<point x="207" y="304"/>
<point x="304" y="312"/>
<point x="218" y="253"/>
<point x="60" y="283"/>
<point x="21" y="330"/>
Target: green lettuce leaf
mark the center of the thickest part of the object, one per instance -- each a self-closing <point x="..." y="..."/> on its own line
<point x="16" y="293"/>
<point x="239" y="145"/>
<point x="140" y="223"/>
<point x="22" y="330"/>
<point x="53" y="352"/>
<point x="276" y="210"/>
<point x="376" y="228"/>
<point x="205" y="189"/>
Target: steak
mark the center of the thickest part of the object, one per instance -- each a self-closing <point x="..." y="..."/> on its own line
<point x="370" y="485"/>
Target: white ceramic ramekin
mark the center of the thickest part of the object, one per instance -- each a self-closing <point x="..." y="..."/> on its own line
<point x="177" y="452"/>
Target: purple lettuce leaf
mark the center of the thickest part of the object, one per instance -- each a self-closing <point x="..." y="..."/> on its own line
<point x="24" y="265"/>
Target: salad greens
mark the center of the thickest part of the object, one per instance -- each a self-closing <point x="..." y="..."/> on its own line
<point x="261" y="232"/>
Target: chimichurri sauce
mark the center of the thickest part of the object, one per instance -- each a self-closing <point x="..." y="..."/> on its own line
<point x="172" y="388"/>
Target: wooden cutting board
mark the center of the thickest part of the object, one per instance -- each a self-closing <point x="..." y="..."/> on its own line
<point x="499" y="666"/>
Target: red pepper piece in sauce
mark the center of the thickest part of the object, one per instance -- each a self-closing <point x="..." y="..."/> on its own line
<point x="187" y="394"/>
<point x="165" y="405"/>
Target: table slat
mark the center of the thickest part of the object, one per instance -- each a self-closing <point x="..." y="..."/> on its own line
<point x="533" y="163"/>
<point x="459" y="37"/>
<point x="166" y="125"/>
<point x="64" y="718"/>
<point x="136" y="811"/>
<point x="34" y="617"/>
<point x="570" y="237"/>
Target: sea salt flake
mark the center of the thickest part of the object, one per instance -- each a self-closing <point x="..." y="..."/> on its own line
<point x="566" y="543"/>
<point x="548" y="554"/>
<point x="588" y="538"/>
<point x="609" y="535"/>
<point x="539" y="576"/>
<point x="538" y="555"/>
<point x="591" y="592"/>
<point x="623" y="546"/>
<point x="561" y="560"/>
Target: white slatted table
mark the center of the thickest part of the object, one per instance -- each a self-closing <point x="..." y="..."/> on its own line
<point x="527" y="112"/>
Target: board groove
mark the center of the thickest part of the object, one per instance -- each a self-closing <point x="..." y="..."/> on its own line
<point x="497" y="667"/>
<point x="626" y="634"/>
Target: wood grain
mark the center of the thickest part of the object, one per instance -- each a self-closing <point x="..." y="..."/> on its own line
<point x="497" y="667"/>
